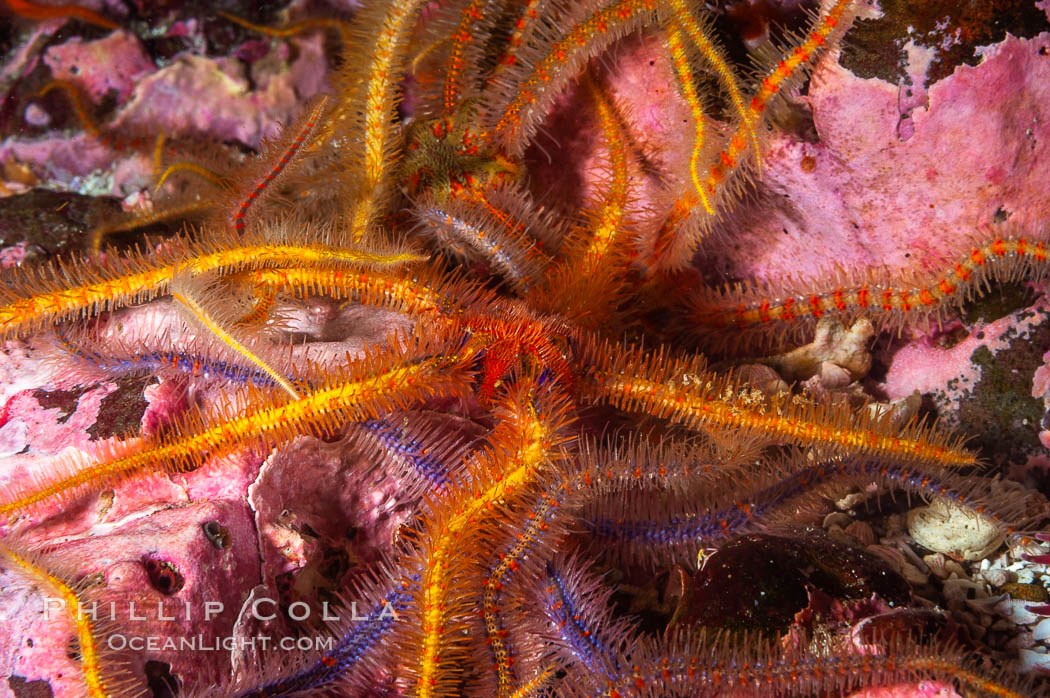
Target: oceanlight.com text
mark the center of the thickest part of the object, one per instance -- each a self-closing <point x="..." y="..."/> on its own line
<point x="200" y="643"/>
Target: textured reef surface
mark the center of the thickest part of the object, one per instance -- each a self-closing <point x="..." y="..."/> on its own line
<point x="524" y="348"/>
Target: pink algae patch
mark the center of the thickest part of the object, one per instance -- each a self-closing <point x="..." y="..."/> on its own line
<point x="114" y="63"/>
<point x="876" y="200"/>
<point x="919" y="366"/>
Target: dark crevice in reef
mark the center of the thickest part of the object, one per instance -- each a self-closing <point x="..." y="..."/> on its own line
<point x="63" y="400"/>
<point x="29" y="689"/>
<point x="1004" y="299"/>
<point x="221" y="36"/>
<point x="161" y="682"/>
<point x="875" y="48"/>
<point x="747" y="22"/>
<point x="51" y="223"/>
<point x="999" y="410"/>
<point x="121" y="411"/>
<point x="762" y="581"/>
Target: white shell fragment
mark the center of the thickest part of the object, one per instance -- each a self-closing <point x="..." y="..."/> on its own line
<point x="1042" y="630"/>
<point x="946" y="528"/>
<point x="1016" y="611"/>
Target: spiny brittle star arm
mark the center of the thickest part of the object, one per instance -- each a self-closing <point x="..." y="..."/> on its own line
<point x="698" y="35"/>
<point x="387" y="291"/>
<point x="613" y="208"/>
<point x="87" y="644"/>
<point x="380" y="87"/>
<point x="530" y="438"/>
<point x="716" y="666"/>
<point x="557" y="63"/>
<point x="43" y="296"/>
<point x="769" y="306"/>
<point x="681" y="391"/>
<point x="368" y="387"/>
<point x="686" y="225"/>
<point x="187" y="293"/>
<point x="680" y="62"/>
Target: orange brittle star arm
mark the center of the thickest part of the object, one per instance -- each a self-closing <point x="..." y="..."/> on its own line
<point x="387" y="381"/>
<point x="611" y="215"/>
<point x="685" y="225"/>
<point x="531" y="436"/>
<point x="785" y="69"/>
<point x="680" y="62"/>
<point x="504" y="341"/>
<point x="680" y="390"/>
<point x="87" y="644"/>
<point x="890" y="303"/>
<point x="377" y="289"/>
<point x="556" y="64"/>
<point x="44" y="296"/>
<point x="33" y="11"/>
<point x="380" y="80"/>
<point x="698" y="34"/>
